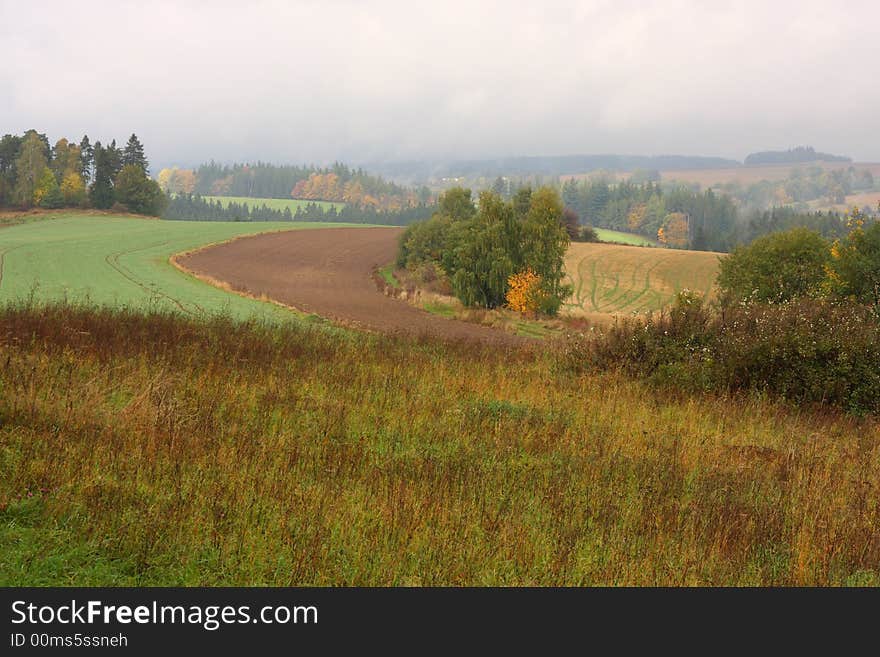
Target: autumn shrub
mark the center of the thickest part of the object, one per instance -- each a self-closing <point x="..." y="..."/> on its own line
<point x="805" y="351"/>
<point x="776" y="267"/>
<point x="524" y="292"/>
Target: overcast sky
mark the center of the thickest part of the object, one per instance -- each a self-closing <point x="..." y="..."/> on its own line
<point x="362" y="81"/>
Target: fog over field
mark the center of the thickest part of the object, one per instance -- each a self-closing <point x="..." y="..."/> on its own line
<point x="319" y="81"/>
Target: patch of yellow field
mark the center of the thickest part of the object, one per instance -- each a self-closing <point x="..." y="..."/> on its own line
<point x="611" y="279"/>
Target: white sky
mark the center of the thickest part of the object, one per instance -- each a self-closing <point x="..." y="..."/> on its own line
<point x="360" y="81"/>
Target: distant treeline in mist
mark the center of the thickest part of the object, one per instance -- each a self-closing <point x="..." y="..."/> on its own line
<point x="192" y="207"/>
<point x="793" y="156"/>
<point x="543" y="165"/>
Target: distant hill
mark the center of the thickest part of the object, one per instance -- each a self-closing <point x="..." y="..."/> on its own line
<point x="543" y="165"/>
<point x="793" y="156"/>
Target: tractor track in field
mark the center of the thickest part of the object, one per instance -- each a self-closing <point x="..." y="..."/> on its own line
<point x="112" y="259"/>
<point x="3" y="257"/>
<point x="329" y="272"/>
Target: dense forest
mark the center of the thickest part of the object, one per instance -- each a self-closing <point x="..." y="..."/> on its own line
<point x="35" y="174"/>
<point x="793" y="155"/>
<point x="338" y="183"/>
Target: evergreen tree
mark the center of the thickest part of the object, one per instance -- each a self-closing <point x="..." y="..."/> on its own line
<point x="114" y="160"/>
<point x="137" y="192"/>
<point x="133" y="153"/>
<point x="101" y="191"/>
<point x="10" y="146"/>
<point x="86" y="157"/>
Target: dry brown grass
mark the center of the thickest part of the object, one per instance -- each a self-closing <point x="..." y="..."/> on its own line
<point x="157" y="450"/>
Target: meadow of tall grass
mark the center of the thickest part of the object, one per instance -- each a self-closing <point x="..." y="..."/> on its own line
<point x="152" y="449"/>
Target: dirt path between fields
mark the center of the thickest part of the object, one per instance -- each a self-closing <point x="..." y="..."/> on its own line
<point x="329" y="272"/>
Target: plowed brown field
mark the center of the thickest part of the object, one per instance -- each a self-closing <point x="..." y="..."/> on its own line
<point x="329" y="272"/>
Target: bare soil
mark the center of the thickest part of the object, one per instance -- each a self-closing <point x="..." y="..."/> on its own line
<point x="329" y="272"/>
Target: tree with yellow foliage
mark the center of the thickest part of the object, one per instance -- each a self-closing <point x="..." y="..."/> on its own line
<point x="636" y="217"/>
<point x="674" y="231"/>
<point x="73" y="189"/>
<point x="46" y="193"/>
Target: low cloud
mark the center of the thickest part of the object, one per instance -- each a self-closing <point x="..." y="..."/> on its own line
<point x="363" y="81"/>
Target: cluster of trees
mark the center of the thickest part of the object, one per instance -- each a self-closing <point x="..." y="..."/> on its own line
<point x="800" y="262"/>
<point x="675" y="215"/>
<point x="192" y="207"/>
<point x="792" y="155"/>
<point x="33" y="174"/>
<point x="177" y="181"/>
<point x="337" y="183"/>
<point x="482" y="248"/>
<point x="331" y="187"/>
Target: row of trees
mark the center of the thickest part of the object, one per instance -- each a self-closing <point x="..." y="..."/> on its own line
<point x="33" y="174"/>
<point x="331" y="187"/>
<point x="792" y="155"/>
<point x="486" y="249"/>
<point x="338" y="183"/>
<point x="193" y="207"/>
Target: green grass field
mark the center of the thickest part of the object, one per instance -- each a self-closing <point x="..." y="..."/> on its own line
<point x="123" y="261"/>
<point x="610" y="278"/>
<point x="606" y="235"/>
<point x="272" y="203"/>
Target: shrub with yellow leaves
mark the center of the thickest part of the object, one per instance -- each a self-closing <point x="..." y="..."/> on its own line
<point x="524" y="292"/>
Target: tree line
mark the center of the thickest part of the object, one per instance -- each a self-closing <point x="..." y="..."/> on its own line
<point x="76" y="175"/>
<point x="193" y="207"/>
<point x="792" y="155"/>
<point x="338" y="183"/>
<point x="674" y="215"/>
<point x="682" y="217"/>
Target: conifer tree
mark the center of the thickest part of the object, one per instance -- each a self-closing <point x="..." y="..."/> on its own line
<point x="101" y="191"/>
<point x="86" y="157"/>
<point x="133" y="153"/>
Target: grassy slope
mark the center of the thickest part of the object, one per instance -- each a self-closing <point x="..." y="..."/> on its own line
<point x="272" y="203"/>
<point x="606" y="235"/>
<point x="609" y="278"/>
<point x="123" y="261"/>
<point x="132" y="454"/>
